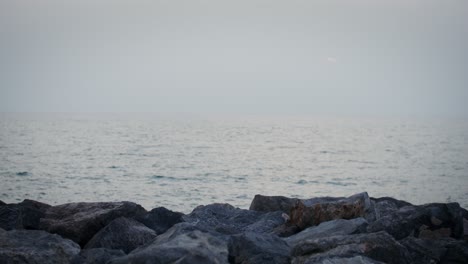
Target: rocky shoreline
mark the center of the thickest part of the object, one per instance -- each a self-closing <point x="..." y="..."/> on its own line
<point x="275" y="229"/>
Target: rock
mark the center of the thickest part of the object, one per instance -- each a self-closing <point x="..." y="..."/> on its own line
<point x="430" y="221"/>
<point x="348" y="260"/>
<point x="35" y="246"/>
<point x="315" y="211"/>
<point x="122" y="233"/>
<point x="255" y="248"/>
<point x="330" y="228"/>
<point x="24" y="215"/>
<point x="180" y="245"/>
<point x="465" y="229"/>
<point x="2" y="203"/>
<point x="225" y="219"/>
<point x="81" y="221"/>
<point x="446" y="250"/>
<point x="377" y="246"/>
<point x="161" y="219"/>
<point x="96" y="255"/>
<point x="386" y="205"/>
<point x="272" y="203"/>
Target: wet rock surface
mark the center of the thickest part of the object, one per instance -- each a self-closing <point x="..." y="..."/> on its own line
<point x="180" y="246"/>
<point x="258" y="248"/>
<point x="161" y="219"/>
<point x="96" y="255"/>
<point x="81" y="221"/>
<point x="34" y="246"/>
<point x="276" y="229"/>
<point x="228" y="220"/>
<point x="24" y="215"/>
<point x="122" y="233"/>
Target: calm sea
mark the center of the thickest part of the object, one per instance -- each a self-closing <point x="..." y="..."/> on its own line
<point x="181" y="161"/>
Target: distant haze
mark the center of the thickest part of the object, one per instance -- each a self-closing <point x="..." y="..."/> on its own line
<point x="300" y="57"/>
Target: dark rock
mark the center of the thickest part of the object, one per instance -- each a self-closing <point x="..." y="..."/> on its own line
<point x="182" y="244"/>
<point x="272" y="203"/>
<point x="226" y="219"/>
<point x="348" y="260"/>
<point x="2" y="203"/>
<point x="35" y="246"/>
<point x="81" y="221"/>
<point x="386" y="205"/>
<point x="255" y="248"/>
<point x="161" y="219"/>
<point x="446" y="250"/>
<point x="24" y="215"/>
<point x="96" y="255"/>
<point x="430" y="221"/>
<point x="122" y="233"/>
<point x="465" y="229"/>
<point x="315" y="211"/>
<point x="377" y="246"/>
<point x="330" y="228"/>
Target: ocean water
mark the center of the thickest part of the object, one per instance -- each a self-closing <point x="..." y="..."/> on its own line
<point x="181" y="161"/>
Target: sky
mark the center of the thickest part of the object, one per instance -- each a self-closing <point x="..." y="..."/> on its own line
<point x="361" y="57"/>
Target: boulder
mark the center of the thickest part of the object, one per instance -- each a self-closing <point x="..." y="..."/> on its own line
<point x="122" y="233"/>
<point x="445" y="250"/>
<point x="377" y="246"/>
<point x="330" y="228"/>
<point x="258" y="248"/>
<point x="272" y="203"/>
<point x="228" y="220"/>
<point x="35" y="246"/>
<point x="430" y="221"/>
<point x="96" y="255"/>
<point x="161" y="219"/>
<point x="24" y="215"/>
<point x="81" y="221"/>
<point x="386" y="205"/>
<point x="315" y="211"/>
<point x="348" y="260"/>
<point x="182" y="244"/>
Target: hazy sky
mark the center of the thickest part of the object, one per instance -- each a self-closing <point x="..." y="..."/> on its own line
<point x="395" y="57"/>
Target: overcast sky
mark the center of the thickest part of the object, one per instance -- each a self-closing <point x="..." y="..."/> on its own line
<point x="395" y="57"/>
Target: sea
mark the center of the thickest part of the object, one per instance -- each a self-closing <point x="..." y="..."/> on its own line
<point x="180" y="161"/>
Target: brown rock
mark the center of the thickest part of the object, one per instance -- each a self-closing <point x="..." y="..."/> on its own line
<point x="304" y="216"/>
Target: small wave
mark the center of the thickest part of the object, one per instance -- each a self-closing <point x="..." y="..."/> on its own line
<point x="22" y="173"/>
<point x="113" y="167"/>
<point x="340" y="183"/>
<point x="301" y="182"/>
<point x="161" y="177"/>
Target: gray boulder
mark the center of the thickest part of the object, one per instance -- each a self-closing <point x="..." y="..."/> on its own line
<point x="182" y="244"/>
<point x="315" y="211"/>
<point x="122" y="233"/>
<point x="24" y="215"/>
<point x="384" y="206"/>
<point x="430" y="221"/>
<point x="81" y="221"/>
<point x="228" y="220"/>
<point x="255" y="248"/>
<point x="161" y="219"/>
<point x="264" y="203"/>
<point x="377" y="246"/>
<point x="96" y="255"/>
<point x="330" y="228"/>
<point x="348" y="260"/>
<point x="445" y="250"/>
<point x="35" y="246"/>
